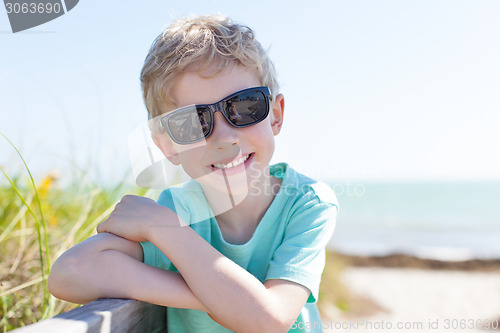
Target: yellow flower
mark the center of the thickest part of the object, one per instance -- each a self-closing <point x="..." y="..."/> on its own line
<point x="46" y="184"/>
<point x="53" y="220"/>
<point x="44" y="187"/>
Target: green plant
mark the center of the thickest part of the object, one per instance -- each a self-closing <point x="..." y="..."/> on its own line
<point x="38" y="222"/>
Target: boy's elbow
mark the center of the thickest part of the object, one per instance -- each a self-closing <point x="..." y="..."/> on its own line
<point x="59" y="277"/>
<point x="279" y="324"/>
<point x="63" y="279"/>
<point x="54" y="286"/>
<point x="266" y="322"/>
<point x="273" y="323"/>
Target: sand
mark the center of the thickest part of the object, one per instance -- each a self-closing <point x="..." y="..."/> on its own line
<point x="421" y="300"/>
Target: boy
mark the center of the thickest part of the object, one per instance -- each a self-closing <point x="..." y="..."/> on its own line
<point x="241" y="246"/>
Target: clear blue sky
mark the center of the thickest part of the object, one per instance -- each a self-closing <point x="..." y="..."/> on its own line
<point x="380" y="90"/>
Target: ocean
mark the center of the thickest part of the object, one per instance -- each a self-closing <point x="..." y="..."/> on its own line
<point x="435" y="220"/>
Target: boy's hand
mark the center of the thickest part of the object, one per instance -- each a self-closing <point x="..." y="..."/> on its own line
<point x="134" y="218"/>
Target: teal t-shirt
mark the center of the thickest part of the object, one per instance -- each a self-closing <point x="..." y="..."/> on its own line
<point x="288" y="243"/>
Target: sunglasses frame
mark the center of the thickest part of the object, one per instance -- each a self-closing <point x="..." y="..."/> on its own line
<point x="214" y="107"/>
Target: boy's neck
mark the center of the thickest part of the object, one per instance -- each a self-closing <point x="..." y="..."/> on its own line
<point x="239" y="223"/>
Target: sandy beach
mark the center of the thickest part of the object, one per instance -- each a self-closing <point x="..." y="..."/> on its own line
<point x="423" y="299"/>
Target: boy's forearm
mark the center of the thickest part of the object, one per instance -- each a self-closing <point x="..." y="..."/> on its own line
<point x="149" y="284"/>
<point x="233" y="295"/>
<point x="84" y="275"/>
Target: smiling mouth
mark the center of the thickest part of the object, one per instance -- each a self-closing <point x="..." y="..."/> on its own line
<point x="232" y="164"/>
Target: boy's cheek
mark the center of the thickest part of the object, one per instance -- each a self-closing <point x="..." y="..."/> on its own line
<point x="192" y="147"/>
<point x="169" y="148"/>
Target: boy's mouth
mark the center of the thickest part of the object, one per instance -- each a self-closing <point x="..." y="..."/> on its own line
<point x="232" y="164"/>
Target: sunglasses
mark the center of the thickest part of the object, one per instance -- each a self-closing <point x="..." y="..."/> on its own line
<point x="194" y="123"/>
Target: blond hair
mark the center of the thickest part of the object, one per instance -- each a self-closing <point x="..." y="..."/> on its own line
<point x="197" y="43"/>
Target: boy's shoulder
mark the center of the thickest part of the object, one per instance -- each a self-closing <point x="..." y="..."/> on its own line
<point x="302" y="185"/>
<point x="187" y="200"/>
<point x="188" y="191"/>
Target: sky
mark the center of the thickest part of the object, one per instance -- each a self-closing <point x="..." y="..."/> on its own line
<point x="374" y="90"/>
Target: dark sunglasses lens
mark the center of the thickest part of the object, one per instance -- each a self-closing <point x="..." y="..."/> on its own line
<point x="190" y="125"/>
<point x="247" y="108"/>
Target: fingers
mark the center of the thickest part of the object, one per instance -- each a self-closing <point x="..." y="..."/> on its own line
<point x="129" y="198"/>
<point x="128" y="202"/>
<point x="104" y="225"/>
<point x="128" y="217"/>
<point x="101" y="227"/>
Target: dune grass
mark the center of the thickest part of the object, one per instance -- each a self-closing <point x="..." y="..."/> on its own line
<point x="40" y="219"/>
<point x="336" y="300"/>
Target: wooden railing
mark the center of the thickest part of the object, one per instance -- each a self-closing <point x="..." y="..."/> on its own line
<point x="105" y="316"/>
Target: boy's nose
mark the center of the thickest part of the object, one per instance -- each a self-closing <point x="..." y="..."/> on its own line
<point x="223" y="131"/>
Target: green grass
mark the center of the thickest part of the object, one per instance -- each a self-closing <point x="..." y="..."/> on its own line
<point x="332" y="289"/>
<point x="41" y="219"/>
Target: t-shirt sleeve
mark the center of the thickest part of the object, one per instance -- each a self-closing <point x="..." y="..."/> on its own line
<point x="301" y="256"/>
<point x="181" y="201"/>
<point x="152" y="255"/>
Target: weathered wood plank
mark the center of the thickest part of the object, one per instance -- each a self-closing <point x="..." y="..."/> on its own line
<point x="105" y="316"/>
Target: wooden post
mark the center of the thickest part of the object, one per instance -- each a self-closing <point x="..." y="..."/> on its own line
<point x="105" y="316"/>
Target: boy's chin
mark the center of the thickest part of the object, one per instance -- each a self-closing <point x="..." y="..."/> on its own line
<point x="236" y="184"/>
<point x="224" y="194"/>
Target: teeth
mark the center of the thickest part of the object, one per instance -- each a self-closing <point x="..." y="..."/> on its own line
<point x="232" y="164"/>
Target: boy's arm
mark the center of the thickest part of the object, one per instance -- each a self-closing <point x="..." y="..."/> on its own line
<point x="108" y="266"/>
<point x="234" y="296"/>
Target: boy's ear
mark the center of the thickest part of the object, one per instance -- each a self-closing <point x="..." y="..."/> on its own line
<point x="278" y="108"/>
<point x="167" y="148"/>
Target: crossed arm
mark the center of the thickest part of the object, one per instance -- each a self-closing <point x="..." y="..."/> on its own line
<point x="110" y="265"/>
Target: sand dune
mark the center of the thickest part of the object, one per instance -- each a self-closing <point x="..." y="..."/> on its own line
<point x="422" y="300"/>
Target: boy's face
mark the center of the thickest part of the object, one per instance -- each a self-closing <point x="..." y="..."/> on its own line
<point x="208" y="160"/>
